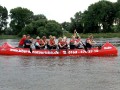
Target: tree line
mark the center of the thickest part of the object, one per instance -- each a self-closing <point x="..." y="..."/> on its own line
<point x="100" y="17"/>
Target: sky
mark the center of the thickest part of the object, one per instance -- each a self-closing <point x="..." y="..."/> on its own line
<point x="59" y="10"/>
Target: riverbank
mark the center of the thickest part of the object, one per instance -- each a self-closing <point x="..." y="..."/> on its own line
<point x="96" y="35"/>
<point x="8" y="36"/>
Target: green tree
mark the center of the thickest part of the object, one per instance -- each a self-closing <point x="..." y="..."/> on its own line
<point x="39" y="17"/>
<point x="117" y="16"/>
<point x="53" y="28"/>
<point x="99" y="14"/>
<point x="3" y="19"/>
<point x="41" y="26"/>
<point x="66" y="25"/>
<point x="76" y="23"/>
<point x="33" y="28"/>
<point x="20" y="17"/>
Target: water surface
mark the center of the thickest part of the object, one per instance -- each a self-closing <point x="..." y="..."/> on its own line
<point x="59" y="73"/>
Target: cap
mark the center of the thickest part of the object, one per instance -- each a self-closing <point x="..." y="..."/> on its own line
<point x="37" y="37"/>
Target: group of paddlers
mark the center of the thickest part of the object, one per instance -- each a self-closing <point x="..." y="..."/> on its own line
<point x="44" y="43"/>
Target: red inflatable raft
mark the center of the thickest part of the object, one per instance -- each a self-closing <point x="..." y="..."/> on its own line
<point x="106" y="50"/>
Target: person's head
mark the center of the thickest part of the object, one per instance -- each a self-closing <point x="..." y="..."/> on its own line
<point x="44" y="37"/>
<point x="50" y="36"/>
<point x="73" y="37"/>
<point x="59" y="39"/>
<point x="28" y="36"/>
<point x="64" y="38"/>
<point x="24" y="36"/>
<point x="91" y="36"/>
<point x="54" y="37"/>
<point x="38" y="38"/>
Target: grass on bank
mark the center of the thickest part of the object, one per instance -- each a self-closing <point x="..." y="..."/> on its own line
<point x="96" y="35"/>
<point x="8" y="37"/>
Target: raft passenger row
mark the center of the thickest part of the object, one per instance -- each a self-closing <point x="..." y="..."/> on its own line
<point x="44" y="43"/>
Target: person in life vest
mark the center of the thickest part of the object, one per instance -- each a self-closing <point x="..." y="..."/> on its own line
<point x="75" y="33"/>
<point x="72" y="42"/>
<point x="42" y="44"/>
<point x="90" y="42"/>
<point x="51" y="43"/>
<point x="21" y="42"/>
<point x="39" y="43"/>
<point x="48" y="41"/>
<point x="62" y="43"/>
<point x="45" y="40"/>
<point x="27" y="42"/>
<point x="78" y="42"/>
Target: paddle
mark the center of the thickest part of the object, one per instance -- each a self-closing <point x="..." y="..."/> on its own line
<point x="31" y="46"/>
<point x="30" y="49"/>
<point x="82" y="42"/>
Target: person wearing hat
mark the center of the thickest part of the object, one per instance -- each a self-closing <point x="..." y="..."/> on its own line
<point x="37" y="42"/>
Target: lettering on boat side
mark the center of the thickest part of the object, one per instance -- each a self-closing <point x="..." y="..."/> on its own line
<point x="64" y="52"/>
<point x="72" y="52"/>
<point x="89" y="51"/>
<point x="34" y="52"/>
<point x="20" y="50"/>
<point x="54" y="52"/>
<point x="108" y="47"/>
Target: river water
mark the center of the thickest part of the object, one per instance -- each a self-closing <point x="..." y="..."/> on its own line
<point x="59" y="73"/>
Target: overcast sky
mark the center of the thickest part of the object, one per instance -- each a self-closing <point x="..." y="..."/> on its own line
<point x="59" y="10"/>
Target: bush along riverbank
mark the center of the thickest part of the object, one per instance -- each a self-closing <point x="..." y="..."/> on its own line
<point x="96" y="35"/>
<point x="69" y="35"/>
<point x="8" y="37"/>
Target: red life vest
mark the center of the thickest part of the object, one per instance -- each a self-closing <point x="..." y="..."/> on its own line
<point x="21" y="43"/>
<point x="42" y="42"/>
<point x="88" y="40"/>
<point x="77" y="40"/>
<point x="62" y="43"/>
<point x="52" y="42"/>
<point x="72" y="41"/>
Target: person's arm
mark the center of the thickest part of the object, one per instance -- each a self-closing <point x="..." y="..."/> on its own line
<point x="88" y="41"/>
<point x="75" y="33"/>
<point x="27" y="42"/>
<point x="37" y="44"/>
<point x="49" y="43"/>
<point x="60" y="45"/>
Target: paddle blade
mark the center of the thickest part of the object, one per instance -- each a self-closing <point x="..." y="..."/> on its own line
<point x="84" y="46"/>
<point x="31" y="50"/>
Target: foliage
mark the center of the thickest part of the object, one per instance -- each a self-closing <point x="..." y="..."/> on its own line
<point x="3" y="19"/>
<point x="76" y="23"/>
<point x="20" y="17"/>
<point x="42" y="26"/>
<point x="66" y="26"/>
<point x="53" y="28"/>
<point x="100" y="17"/>
<point x="99" y="14"/>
